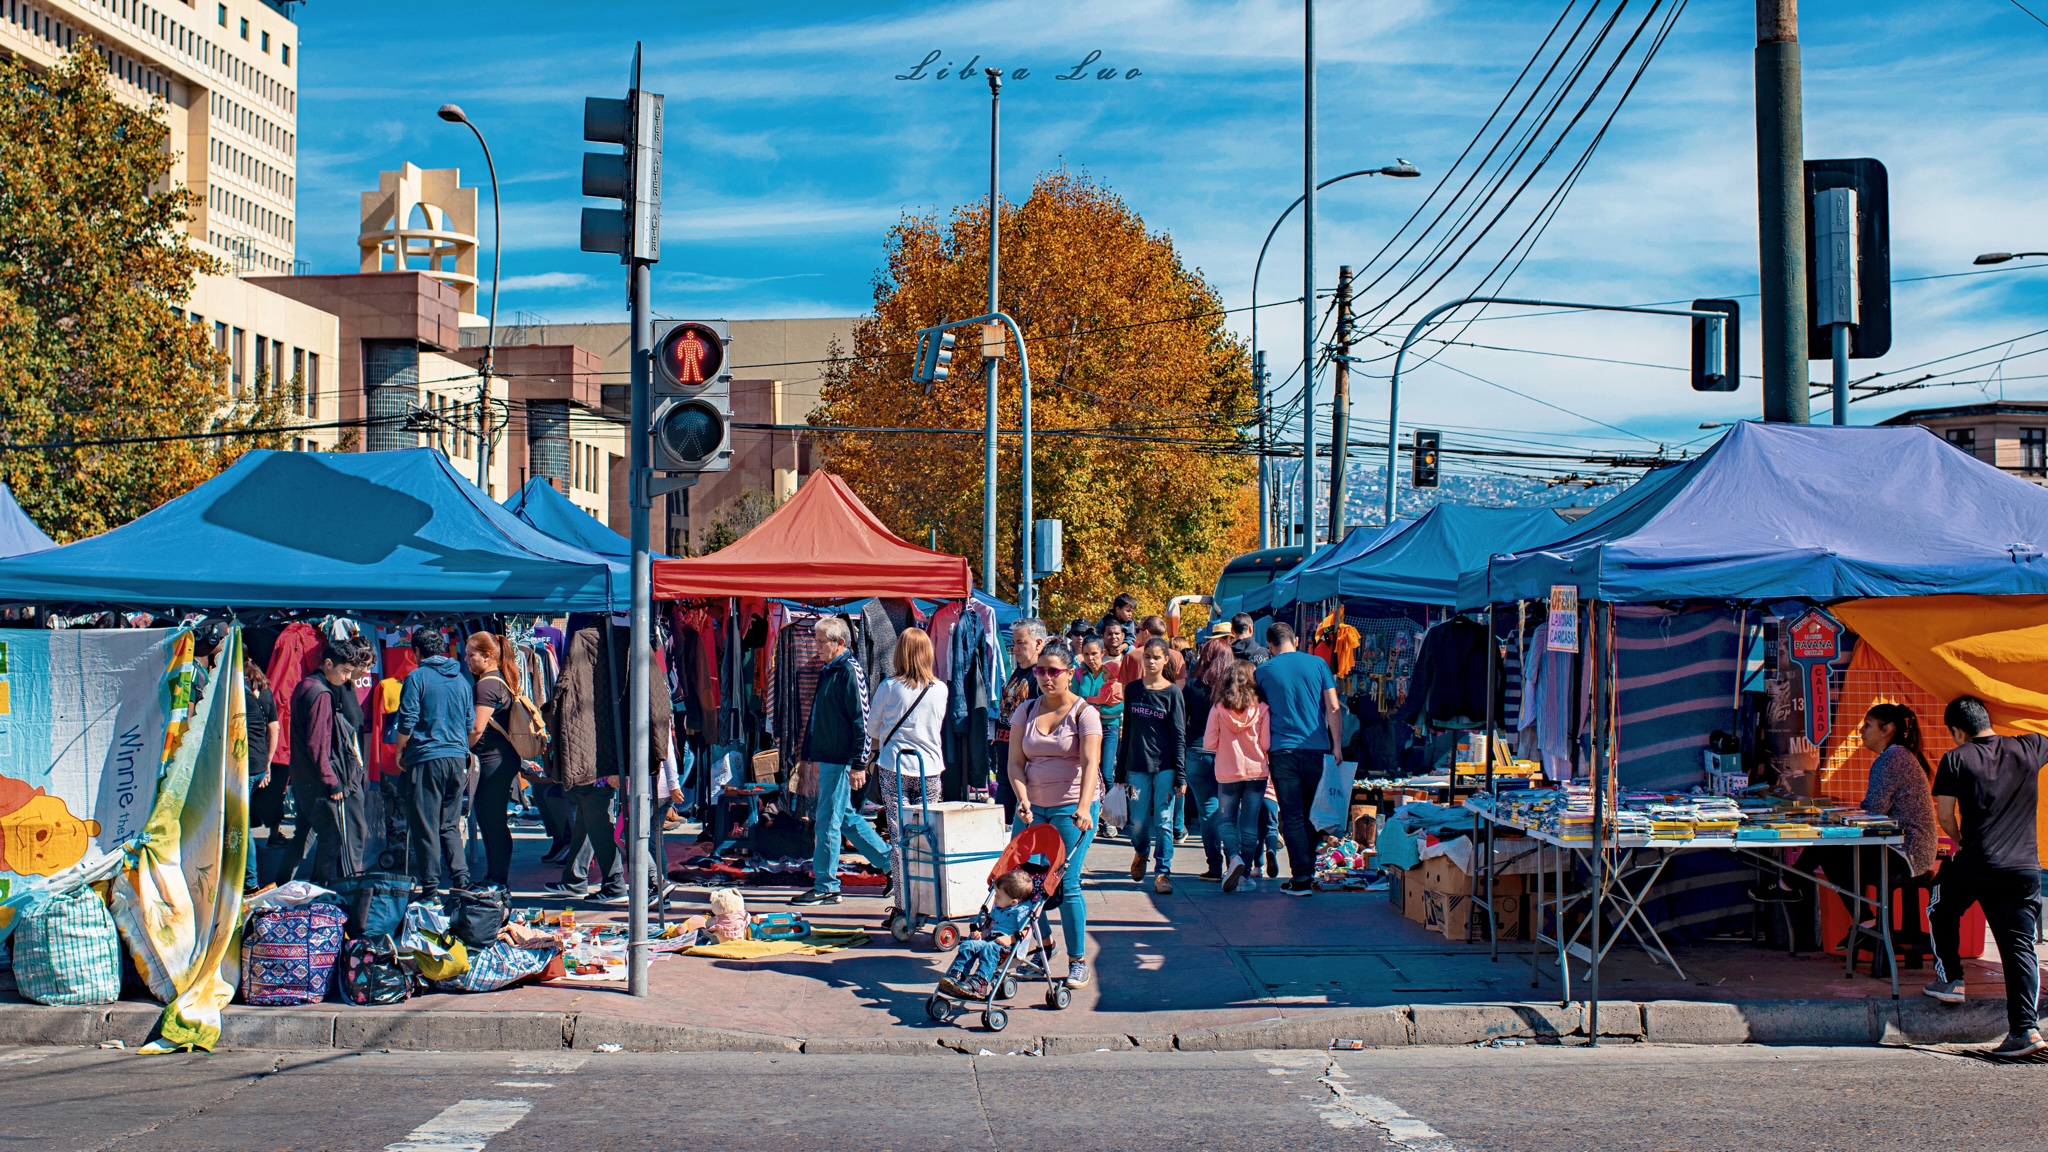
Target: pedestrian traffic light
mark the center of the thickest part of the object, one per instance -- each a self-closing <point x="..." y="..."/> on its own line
<point x="1716" y="347"/>
<point x="692" y="417"/>
<point x="1423" y="462"/>
<point x="632" y="176"/>
<point x="934" y="359"/>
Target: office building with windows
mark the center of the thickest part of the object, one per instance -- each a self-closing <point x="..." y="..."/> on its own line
<point x="2009" y="434"/>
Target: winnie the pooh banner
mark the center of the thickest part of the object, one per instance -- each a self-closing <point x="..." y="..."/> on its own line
<point x="85" y="727"/>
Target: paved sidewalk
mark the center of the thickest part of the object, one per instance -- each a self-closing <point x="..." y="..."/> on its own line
<point x="1192" y="969"/>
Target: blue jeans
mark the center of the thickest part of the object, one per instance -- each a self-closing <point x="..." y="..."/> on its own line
<point x="976" y="958"/>
<point x="1202" y="795"/>
<point x="835" y="816"/>
<point x="1269" y="823"/>
<point x="1152" y="816"/>
<point x="1073" y="907"/>
<point x="1111" y="733"/>
<point x="1239" y="806"/>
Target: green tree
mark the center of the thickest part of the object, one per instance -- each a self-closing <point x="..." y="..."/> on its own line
<point x="739" y="517"/>
<point x="95" y="269"/>
<point x="1138" y="394"/>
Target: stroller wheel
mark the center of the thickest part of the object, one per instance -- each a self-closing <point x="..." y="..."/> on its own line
<point x="1009" y="988"/>
<point x="899" y="928"/>
<point x="945" y="937"/>
<point x="938" y="1008"/>
<point x="995" y="1019"/>
<point x="1058" y="996"/>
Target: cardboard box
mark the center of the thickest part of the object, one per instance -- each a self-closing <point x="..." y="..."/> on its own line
<point x="1460" y="919"/>
<point x="764" y="766"/>
<point x="1439" y="874"/>
<point x="1412" y="897"/>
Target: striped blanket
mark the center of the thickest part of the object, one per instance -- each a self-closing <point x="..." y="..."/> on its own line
<point x="1677" y="685"/>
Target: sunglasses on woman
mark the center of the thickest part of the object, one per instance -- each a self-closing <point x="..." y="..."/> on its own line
<point x="1050" y="673"/>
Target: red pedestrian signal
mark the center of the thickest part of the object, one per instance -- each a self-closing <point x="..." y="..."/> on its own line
<point x="690" y="355"/>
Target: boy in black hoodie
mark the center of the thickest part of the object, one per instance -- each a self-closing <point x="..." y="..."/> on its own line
<point x="1152" y="759"/>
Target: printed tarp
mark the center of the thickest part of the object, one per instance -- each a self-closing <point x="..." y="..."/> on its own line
<point x="179" y="901"/>
<point x="85" y="720"/>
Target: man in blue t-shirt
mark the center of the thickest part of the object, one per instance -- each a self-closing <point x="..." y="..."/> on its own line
<point x="1306" y="725"/>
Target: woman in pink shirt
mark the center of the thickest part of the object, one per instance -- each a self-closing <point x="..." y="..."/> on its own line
<point x="1238" y="731"/>
<point x="1056" y="772"/>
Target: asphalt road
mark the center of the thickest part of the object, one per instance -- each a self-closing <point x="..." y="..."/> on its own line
<point x="1428" y="1100"/>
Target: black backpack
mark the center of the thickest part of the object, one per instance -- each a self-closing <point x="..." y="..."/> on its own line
<point x="476" y="914"/>
<point x="371" y="973"/>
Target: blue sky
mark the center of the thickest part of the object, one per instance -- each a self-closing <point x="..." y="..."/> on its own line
<point x="792" y="148"/>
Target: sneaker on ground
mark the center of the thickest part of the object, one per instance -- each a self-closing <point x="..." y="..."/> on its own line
<point x="815" y="897"/>
<point x="1298" y="888"/>
<point x="1234" y="877"/>
<point x="1163" y="884"/>
<point x="1137" y="867"/>
<point x="1077" y="973"/>
<point x="1251" y="884"/>
<point x="1946" y="991"/>
<point x="613" y="898"/>
<point x="572" y="891"/>
<point x="1212" y="875"/>
<point x="1272" y="865"/>
<point x="2021" y="1045"/>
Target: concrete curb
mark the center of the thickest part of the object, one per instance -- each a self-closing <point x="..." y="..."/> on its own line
<point x="1826" y="1022"/>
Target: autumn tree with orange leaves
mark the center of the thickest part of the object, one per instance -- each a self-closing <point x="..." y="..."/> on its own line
<point x="1138" y="397"/>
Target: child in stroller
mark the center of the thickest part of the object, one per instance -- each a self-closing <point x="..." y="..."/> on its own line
<point x="1010" y="939"/>
<point x="996" y="932"/>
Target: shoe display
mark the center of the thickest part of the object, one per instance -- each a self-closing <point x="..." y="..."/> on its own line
<point x="1234" y="877"/>
<point x="1163" y="884"/>
<point x="1272" y="865"/>
<point x="1077" y="973"/>
<point x="2021" y="1045"/>
<point x="1946" y="991"/>
<point x="1137" y="867"/>
<point x="815" y="897"/>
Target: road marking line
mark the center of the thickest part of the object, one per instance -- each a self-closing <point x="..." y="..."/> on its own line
<point x="24" y="1057"/>
<point x="1348" y="1109"/>
<point x="464" y="1126"/>
<point x="548" y="1064"/>
<point x="526" y="1084"/>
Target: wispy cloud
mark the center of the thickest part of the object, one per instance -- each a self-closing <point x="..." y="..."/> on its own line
<point x="545" y="281"/>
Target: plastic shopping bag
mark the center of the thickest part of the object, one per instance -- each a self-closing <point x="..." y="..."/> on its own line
<point x="1331" y="811"/>
<point x="1116" y="806"/>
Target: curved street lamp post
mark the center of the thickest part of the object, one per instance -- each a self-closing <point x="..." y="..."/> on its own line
<point x="484" y="423"/>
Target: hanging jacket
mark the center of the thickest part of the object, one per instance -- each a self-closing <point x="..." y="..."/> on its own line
<point x="296" y="653"/>
<point x="573" y="717"/>
<point x="1448" y="688"/>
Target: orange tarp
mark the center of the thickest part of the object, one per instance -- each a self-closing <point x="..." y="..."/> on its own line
<point x="1991" y="647"/>
<point x="823" y="545"/>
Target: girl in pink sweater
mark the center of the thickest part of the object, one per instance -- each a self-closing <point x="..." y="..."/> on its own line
<point x="1238" y="732"/>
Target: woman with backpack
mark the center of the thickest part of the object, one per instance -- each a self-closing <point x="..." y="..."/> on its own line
<point x="498" y="685"/>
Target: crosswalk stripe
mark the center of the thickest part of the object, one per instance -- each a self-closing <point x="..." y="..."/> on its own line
<point x="464" y="1126"/>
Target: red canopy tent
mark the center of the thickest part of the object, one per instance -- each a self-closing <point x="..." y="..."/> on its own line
<point x="823" y="545"/>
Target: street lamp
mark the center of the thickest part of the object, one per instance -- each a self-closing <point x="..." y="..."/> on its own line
<point x="1400" y="169"/>
<point x="453" y="114"/>
<point x="2002" y="257"/>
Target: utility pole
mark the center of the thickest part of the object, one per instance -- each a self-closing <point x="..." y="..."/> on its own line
<point x="1781" y="210"/>
<point x="1340" y="407"/>
<point x="990" y="364"/>
<point x="1308" y="277"/>
<point x="1265" y="471"/>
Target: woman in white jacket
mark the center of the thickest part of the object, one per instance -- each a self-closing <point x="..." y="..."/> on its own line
<point x="906" y="723"/>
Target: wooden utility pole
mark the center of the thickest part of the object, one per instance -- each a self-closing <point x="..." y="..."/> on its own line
<point x="1781" y="212"/>
<point x="1340" y="414"/>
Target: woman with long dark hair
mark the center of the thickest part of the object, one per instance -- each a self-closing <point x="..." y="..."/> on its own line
<point x="1901" y="787"/>
<point x="1204" y="682"/>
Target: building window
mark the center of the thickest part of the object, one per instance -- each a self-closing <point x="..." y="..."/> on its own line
<point x="223" y="15"/>
<point x="262" y="361"/>
<point x="266" y="42"/>
<point x="1963" y="438"/>
<point x="238" y="351"/>
<point x="245" y="27"/>
<point x="312" y="384"/>
<point x="285" y="53"/>
<point x="2034" y="451"/>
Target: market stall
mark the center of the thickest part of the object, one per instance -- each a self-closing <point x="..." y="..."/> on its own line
<point x="19" y="534"/>
<point x="1742" y="551"/>
<point x="543" y="506"/>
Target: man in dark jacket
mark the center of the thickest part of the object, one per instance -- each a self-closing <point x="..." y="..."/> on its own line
<point x="435" y="710"/>
<point x="837" y="740"/>
<point x="1243" y="644"/>
<point x="326" y="772"/>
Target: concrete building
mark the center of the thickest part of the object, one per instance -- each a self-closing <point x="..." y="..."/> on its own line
<point x="2010" y="434"/>
<point x="226" y="75"/>
<point x="778" y="370"/>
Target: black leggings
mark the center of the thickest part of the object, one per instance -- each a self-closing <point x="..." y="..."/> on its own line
<point x="495" y="777"/>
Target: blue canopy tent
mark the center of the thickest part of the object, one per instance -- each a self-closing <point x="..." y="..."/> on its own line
<point x="1420" y="565"/>
<point x="19" y="534"/>
<point x="394" y="532"/>
<point x="1784" y="511"/>
<point x="1281" y="591"/>
<point x="542" y="505"/>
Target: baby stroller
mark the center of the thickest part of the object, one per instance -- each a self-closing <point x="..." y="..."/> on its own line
<point x="1040" y="852"/>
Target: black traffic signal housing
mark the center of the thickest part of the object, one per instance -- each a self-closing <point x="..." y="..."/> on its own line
<point x="631" y="176"/>
<point x="934" y="357"/>
<point x="692" y="397"/>
<point x="1871" y="335"/>
<point x="1424" y="460"/>
<point x="1717" y="367"/>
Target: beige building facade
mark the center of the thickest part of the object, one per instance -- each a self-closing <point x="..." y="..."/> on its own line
<point x="2009" y="434"/>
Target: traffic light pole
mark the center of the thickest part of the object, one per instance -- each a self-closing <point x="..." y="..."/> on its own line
<point x="642" y="612"/>
<point x="920" y="372"/>
<point x="1716" y="327"/>
<point x="991" y="365"/>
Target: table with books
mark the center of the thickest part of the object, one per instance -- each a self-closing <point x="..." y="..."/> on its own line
<point x="1644" y="831"/>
